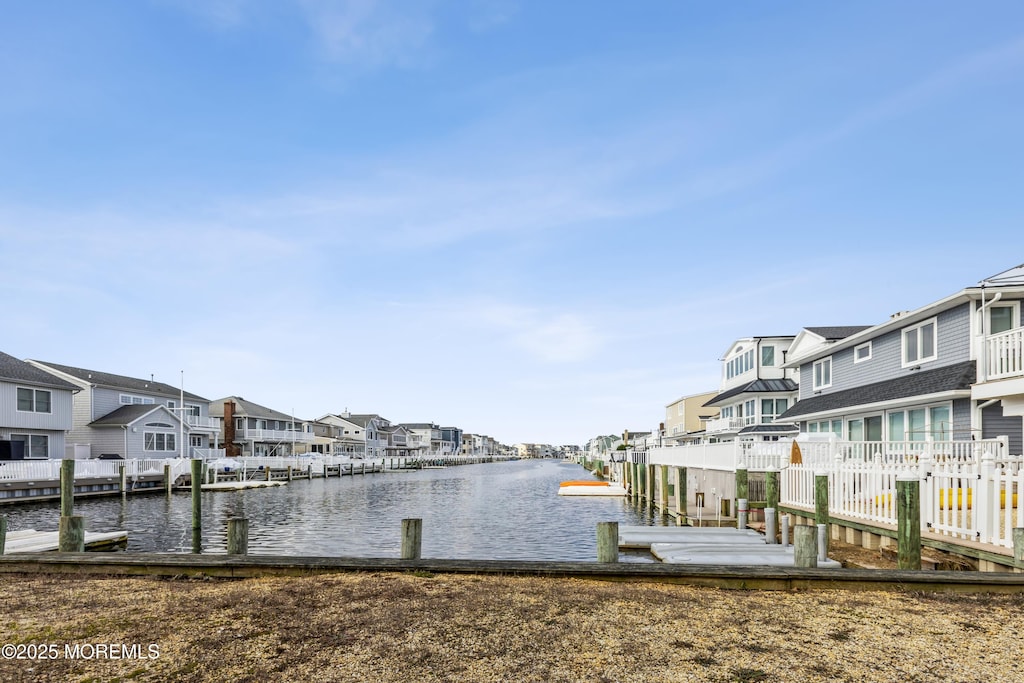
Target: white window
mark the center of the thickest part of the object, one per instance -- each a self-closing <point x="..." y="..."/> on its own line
<point x="37" y="446"/>
<point x="128" y="399"/>
<point x="919" y="343"/>
<point x="767" y="356"/>
<point x="823" y="373"/>
<point x="33" y="400"/>
<point x="771" y="408"/>
<point x="862" y="352"/>
<point x="1002" y="318"/>
<point x="158" y="441"/>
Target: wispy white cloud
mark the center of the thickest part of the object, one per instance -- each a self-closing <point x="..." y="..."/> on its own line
<point x="371" y="32"/>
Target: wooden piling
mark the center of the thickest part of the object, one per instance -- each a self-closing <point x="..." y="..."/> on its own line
<point x="805" y="546"/>
<point x="3" y="532"/>
<point x="412" y="538"/>
<point x="197" y="488"/>
<point x="67" y="487"/>
<point x="742" y="483"/>
<point x="908" y="522"/>
<point x="71" y="534"/>
<point x="1018" y="547"/>
<point x="607" y="541"/>
<point x="168" y="484"/>
<point x="289" y="468"/>
<point x="309" y="471"/>
<point x="238" y="536"/>
<point x="771" y="487"/>
<point x="123" y="477"/>
<point x="681" y="495"/>
<point x="663" y="474"/>
<point x="821" y="501"/>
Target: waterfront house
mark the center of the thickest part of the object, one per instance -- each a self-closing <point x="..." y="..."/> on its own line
<point x="115" y="416"/>
<point x="756" y="389"/>
<point x="949" y="370"/>
<point x="366" y="434"/>
<point x="424" y="435"/>
<point x="35" y="411"/>
<point x="250" y="429"/>
<point x="686" y="417"/>
<point x="451" y="440"/>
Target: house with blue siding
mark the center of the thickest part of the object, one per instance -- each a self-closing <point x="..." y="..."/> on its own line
<point x="35" y="410"/>
<point x="127" y="417"/>
<point x="950" y="370"/>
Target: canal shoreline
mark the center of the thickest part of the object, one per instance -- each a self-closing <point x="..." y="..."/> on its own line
<point x="425" y="626"/>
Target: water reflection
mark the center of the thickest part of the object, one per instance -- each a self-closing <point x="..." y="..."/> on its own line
<point x="490" y="511"/>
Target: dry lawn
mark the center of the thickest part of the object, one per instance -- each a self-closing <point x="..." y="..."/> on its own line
<point x="421" y="627"/>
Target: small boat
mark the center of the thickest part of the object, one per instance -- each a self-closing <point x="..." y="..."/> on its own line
<point x="591" y="488"/>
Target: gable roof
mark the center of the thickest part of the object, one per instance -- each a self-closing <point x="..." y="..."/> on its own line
<point x="837" y="332"/>
<point x="15" y="370"/>
<point x="244" y="408"/>
<point x="956" y="377"/>
<point x="126" y="415"/>
<point x="758" y="386"/>
<point x="112" y="381"/>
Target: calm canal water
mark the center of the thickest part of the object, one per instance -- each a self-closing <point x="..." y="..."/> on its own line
<point x="508" y="511"/>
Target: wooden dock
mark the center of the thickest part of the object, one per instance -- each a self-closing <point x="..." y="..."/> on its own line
<point x="239" y="485"/>
<point x="32" y="541"/>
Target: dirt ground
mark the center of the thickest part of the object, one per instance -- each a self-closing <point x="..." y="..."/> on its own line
<point x="423" y="627"/>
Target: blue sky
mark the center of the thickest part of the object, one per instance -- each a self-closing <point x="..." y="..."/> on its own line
<point x="539" y="221"/>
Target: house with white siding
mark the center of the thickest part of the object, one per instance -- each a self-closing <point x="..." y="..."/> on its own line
<point x="127" y="417"/>
<point x="35" y="411"/>
<point x="367" y="435"/>
<point x="756" y="389"/>
<point x="949" y="370"/>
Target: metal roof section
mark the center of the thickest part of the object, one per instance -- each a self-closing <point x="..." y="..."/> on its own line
<point x="956" y="377"/>
<point x="15" y="370"/>
<point x="1013" y="276"/>
<point x="112" y="381"/>
<point x="758" y="386"/>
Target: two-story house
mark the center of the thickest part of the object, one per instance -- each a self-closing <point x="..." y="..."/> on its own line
<point x="35" y="411"/>
<point x="250" y="429"/>
<point x="424" y="435"/>
<point x="367" y="434"/>
<point x="127" y="417"/>
<point x="686" y="417"/>
<point x="950" y="370"/>
<point x="756" y="389"/>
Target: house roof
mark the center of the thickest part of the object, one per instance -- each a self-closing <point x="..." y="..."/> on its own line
<point x="419" y="425"/>
<point x="771" y="428"/>
<point x="126" y="415"/>
<point x="112" y="381"/>
<point x="1013" y="276"/>
<point x="244" y="408"/>
<point x="837" y="332"/>
<point x="957" y="377"/>
<point x="15" y="370"/>
<point x="758" y="386"/>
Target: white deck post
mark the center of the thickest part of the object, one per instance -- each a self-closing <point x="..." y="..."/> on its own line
<point x="983" y="499"/>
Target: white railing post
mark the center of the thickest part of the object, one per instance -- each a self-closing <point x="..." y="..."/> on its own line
<point x="925" y="464"/>
<point x="982" y="499"/>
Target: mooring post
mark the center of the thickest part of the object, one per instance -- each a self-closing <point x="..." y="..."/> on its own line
<point x="785" y="530"/>
<point x="805" y="546"/>
<point x="3" y="532"/>
<point x="822" y="542"/>
<point x="771" y="488"/>
<point x="309" y="471"/>
<point x="681" y="504"/>
<point x="908" y="522"/>
<point x="67" y="487"/>
<point x="289" y="472"/>
<point x="168" y="484"/>
<point x="122" y="474"/>
<point x="650" y="488"/>
<point x="71" y="534"/>
<point x="412" y="538"/>
<point x="770" y="526"/>
<point x="607" y="541"/>
<point x="238" y="536"/>
<point x="741" y="513"/>
<point x="197" y="488"/>
<point x="821" y="501"/>
<point x="1018" y="547"/>
<point x="663" y="473"/>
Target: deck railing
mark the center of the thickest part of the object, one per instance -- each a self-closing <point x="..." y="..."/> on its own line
<point x="1005" y="354"/>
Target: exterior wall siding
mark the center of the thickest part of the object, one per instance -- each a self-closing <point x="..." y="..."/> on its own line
<point x="953" y="345"/>
<point x="59" y="417"/>
<point x="994" y="423"/>
<point x="106" y="441"/>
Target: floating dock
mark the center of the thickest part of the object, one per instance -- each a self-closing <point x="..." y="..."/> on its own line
<point x="32" y="541"/>
<point x="239" y="485"/>
<point x="711" y="546"/>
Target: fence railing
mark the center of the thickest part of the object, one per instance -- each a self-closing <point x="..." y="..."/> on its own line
<point x="1005" y="354"/>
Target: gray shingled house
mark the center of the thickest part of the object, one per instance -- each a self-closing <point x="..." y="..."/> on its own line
<point x="35" y="411"/>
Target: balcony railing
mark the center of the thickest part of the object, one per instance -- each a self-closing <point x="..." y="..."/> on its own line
<point x="201" y="422"/>
<point x="284" y="435"/>
<point x="724" y="424"/>
<point x="1005" y="354"/>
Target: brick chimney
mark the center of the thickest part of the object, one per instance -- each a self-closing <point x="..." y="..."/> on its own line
<point x="231" y="449"/>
